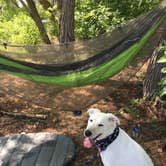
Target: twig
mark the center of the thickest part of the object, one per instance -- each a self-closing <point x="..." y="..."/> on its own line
<point x="158" y="101"/>
<point x="24" y="116"/>
<point x="8" y="123"/>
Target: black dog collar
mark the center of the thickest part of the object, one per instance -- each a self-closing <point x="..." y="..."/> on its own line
<point x="103" y="143"/>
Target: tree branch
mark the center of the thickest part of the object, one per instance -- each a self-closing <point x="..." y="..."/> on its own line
<point x="15" y="3"/>
<point x="45" y="4"/>
<point x="24" y="116"/>
<point x="25" y="6"/>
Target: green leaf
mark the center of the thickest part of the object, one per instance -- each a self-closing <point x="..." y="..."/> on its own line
<point x="163" y="70"/>
<point x="163" y="92"/>
<point x="162" y="59"/>
<point x="163" y="81"/>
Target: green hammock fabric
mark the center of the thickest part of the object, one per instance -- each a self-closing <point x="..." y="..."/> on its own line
<point x="73" y="75"/>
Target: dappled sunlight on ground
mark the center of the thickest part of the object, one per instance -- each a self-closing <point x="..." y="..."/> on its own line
<point x="124" y="102"/>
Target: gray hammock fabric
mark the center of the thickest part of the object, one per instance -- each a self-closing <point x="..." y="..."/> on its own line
<point x="83" y="62"/>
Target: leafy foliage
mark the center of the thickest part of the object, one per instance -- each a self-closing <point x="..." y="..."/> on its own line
<point x="163" y="80"/>
<point x="92" y="18"/>
<point x="7" y="10"/>
<point x="20" y="29"/>
<point x="52" y="27"/>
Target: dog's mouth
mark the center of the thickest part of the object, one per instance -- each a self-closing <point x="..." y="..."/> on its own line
<point x="95" y="138"/>
<point x="88" y="142"/>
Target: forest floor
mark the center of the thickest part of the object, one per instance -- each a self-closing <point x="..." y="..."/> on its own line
<point x="125" y="102"/>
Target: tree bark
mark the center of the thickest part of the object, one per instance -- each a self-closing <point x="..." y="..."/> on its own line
<point x="153" y="75"/>
<point x="66" y="20"/>
<point x="36" y="17"/>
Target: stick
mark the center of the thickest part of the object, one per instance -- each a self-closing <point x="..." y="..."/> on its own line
<point x="24" y="116"/>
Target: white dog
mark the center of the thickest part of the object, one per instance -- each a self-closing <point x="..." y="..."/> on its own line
<point x="115" y="146"/>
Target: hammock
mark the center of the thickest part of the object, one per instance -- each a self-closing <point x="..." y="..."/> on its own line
<point x="82" y="63"/>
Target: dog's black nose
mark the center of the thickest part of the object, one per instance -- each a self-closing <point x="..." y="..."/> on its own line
<point x="88" y="133"/>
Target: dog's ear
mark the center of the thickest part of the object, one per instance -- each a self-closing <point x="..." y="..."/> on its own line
<point x="113" y="118"/>
<point x="92" y="111"/>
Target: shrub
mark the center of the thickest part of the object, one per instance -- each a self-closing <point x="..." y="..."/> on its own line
<point x="163" y="70"/>
<point x="94" y="17"/>
<point x="20" y="29"/>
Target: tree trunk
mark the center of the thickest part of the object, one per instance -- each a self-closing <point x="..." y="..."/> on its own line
<point x="35" y="16"/>
<point x="66" y="20"/>
<point x="153" y="75"/>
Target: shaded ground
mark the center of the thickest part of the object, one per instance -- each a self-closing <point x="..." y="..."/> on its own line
<point x="124" y="101"/>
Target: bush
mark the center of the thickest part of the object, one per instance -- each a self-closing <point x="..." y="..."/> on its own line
<point x="163" y="80"/>
<point x="94" y="17"/>
<point x="20" y="29"/>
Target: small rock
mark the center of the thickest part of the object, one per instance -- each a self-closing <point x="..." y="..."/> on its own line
<point x="77" y="113"/>
<point x="126" y="116"/>
<point x="164" y="148"/>
<point x="159" y="150"/>
<point x="23" y="132"/>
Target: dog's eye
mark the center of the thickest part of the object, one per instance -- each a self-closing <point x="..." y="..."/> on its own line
<point x="91" y="120"/>
<point x="100" y="125"/>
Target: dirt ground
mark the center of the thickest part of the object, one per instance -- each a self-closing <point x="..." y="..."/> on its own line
<point x="125" y="102"/>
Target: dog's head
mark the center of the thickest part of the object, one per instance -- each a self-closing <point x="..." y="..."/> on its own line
<point x="100" y="124"/>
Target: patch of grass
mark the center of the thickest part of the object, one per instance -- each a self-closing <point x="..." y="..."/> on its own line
<point x="132" y="111"/>
<point x="136" y="102"/>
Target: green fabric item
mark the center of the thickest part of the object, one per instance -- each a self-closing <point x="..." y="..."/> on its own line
<point x="14" y="64"/>
<point x="93" y="75"/>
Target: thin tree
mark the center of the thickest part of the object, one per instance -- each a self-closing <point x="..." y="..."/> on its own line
<point x="66" y="20"/>
<point x="32" y="11"/>
<point x="30" y="7"/>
